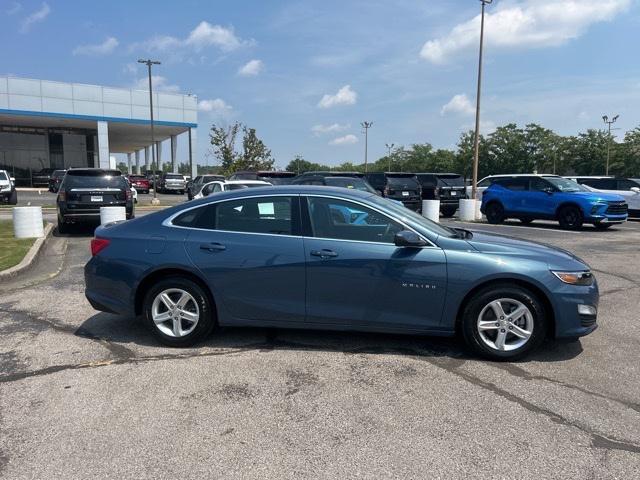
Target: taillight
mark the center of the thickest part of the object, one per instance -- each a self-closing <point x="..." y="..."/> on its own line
<point x="62" y="195"/>
<point x="129" y="194"/>
<point x="98" y="244"/>
<point x="436" y="192"/>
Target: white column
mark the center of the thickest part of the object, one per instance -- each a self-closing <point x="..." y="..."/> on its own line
<point x="159" y="155"/>
<point x="147" y="158"/>
<point x="103" y="144"/>
<point x="174" y="151"/>
<point x="192" y="152"/>
<point x="129" y="163"/>
<point x="138" y="162"/>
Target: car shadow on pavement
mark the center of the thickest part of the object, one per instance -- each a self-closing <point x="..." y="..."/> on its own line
<point x="77" y="230"/>
<point x="121" y="330"/>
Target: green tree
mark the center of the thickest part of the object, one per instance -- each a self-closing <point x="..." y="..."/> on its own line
<point x="300" y="165"/>
<point x="254" y="154"/>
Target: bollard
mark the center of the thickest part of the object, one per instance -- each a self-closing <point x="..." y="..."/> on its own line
<point x="431" y="209"/>
<point x="27" y="222"/>
<point x="112" y="214"/>
<point x="469" y="208"/>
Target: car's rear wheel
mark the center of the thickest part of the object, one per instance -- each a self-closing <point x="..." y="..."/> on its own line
<point x="62" y="227"/>
<point x="504" y="322"/>
<point x="178" y="312"/>
<point x="448" y="211"/>
<point x="494" y="213"/>
<point x="570" y="217"/>
<point x="602" y="226"/>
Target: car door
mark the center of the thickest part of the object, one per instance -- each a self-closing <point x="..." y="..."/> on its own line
<point x="539" y="198"/>
<point x="252" y="255"/>
<point x="356" y="276"/>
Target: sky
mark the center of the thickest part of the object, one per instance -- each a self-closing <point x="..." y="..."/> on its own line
<point x="305" y="74"/>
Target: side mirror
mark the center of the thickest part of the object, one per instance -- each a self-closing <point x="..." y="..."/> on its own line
<point x="635" y="189"/>
<point x="407" y="238"/>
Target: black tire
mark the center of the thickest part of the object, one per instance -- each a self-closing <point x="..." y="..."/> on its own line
<point x="448" y="211"/>
<point x="494" y="213"/>
<point x="207" y="316"/>
<point x="602" y="226"/>
<point x="570" y="217"/>
<point x="13" y="198"/>
<point x="526" y="221"/>
<point x="482" y="299"/>
<point x="63" y="228"/>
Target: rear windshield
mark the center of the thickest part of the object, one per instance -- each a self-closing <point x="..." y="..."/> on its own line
<point x="211" y="178"/>
<point x="74" y="180"/>
<point x="402" y="182"/>
<point x="137" y="177"/>
<point x="174" y="176"/>
<point x="239" y="186"/>
<point x="450" y="181"/>
<point x="245" y="176"/>
<point x="354" y="183"/>
<point x="59" y="173"/>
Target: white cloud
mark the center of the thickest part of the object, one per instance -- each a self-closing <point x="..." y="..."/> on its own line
<point x="525" y="24"/>
<point x="251" y="68"/>
<point x="344" y="96"/>
<point x="158" y="82"/>
<point x="349" y="139"/>
<point x="318" y="130"/>
<point x="202" y="36"/>
<point x="216" y="105"/>
<point x="35" y="17"/>
<point x="104" y="48"/>
<point x="13" y="9"/>
<point x="459" y="104"/>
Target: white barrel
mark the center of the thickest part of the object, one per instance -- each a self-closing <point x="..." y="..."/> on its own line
<point x="478" y="212"/>
<point x="431" y="209"/>
<point x="27" y="222"/>
<point x="112" y="214"/>
<point x="469" y="208"/>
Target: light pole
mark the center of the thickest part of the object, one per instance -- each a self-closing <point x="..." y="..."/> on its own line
<point x="366" y="126"/>
<point x="609" y="122"/>
<point x="389" y="147"/>
<point x="148" y="63"/>
<point x="476" y="140"/>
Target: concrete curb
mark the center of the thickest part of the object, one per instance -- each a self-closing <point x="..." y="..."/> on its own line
<point x="31" y="255"/>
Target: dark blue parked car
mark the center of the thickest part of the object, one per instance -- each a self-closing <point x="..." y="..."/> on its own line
<point x="550" y="197"/>
<point x="335" y="258"/>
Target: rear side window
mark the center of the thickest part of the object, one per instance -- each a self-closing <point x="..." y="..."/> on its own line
<point x="602" y="183"/>
<point x="626" y="184"/>
<point x="515" y="184"/>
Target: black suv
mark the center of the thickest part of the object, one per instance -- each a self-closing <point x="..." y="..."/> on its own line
<point x="320" y="173"/>
<point x="335" y="181"/>
<point x="84" y="190"/>
<point x="194" y="186"/>
<point x="403" y="187"/>
<point x="449" y="188"/>
<point x="273" y="177"/>
<point x="55" y="180"/>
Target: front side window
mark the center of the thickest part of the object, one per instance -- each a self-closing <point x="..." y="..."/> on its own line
<point x="344" y="220"/>
<point x="540" y="185"/>
<point x="626" y="184"/>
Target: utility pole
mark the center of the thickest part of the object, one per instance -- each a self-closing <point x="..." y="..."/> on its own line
<point x="297" y="158"/>
<point x="389" y="147"/>
<point x="154" y="167"/>
<point x="609" y="122"/>
<point x="476" y="140"/>
<point x="366" y="126"/>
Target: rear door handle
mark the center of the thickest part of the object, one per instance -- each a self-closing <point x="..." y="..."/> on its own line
<point x="212" y="247"/>
<point x="324" y="253"/>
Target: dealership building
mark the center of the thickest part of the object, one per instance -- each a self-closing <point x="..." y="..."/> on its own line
<point x="48" y="124"/>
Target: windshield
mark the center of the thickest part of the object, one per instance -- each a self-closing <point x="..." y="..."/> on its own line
<point x="402" y="182"/>
<point x="451" y="180"/>
<point x="565" y="185"/>
<point x="355" y="183"/>
<point x="3" y="176"/>
<point x="174" y="176"/>
<point x="403" y="212"/>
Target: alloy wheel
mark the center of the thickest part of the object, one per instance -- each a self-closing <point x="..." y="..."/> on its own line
<point x="175" y="312"/>
<point x="505" y="324"/>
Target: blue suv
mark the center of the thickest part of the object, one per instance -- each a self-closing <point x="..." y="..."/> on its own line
<point x="550" y="197"/>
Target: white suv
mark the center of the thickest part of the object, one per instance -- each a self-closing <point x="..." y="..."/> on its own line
<point x="8" y="188"/>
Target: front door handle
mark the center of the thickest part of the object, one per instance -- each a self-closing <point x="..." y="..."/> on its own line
<point x="212" y="247"/>
<point x="324" y="253"/>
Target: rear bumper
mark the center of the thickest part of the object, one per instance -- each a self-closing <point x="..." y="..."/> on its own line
<point x="79" y="213"/>
<point x="104" y="290"/>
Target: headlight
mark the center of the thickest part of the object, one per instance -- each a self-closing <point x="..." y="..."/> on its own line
<point x="584" y="278"/>
<point x="597" y="206"/>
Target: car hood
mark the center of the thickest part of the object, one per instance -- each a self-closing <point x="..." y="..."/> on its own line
<point x="596" y="196"/>
<point x="555" y="257"/>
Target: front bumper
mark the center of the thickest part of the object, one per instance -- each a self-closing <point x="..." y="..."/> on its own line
<point x="571" y="305"/>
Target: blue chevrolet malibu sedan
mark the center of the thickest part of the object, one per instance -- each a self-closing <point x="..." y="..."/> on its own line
<point x="333" y="258"/>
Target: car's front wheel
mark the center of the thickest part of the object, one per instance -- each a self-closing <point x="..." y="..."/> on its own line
<point x="178" y="312"/>
<point x="504" y="322"/>
<point x="570" y="218"/>
<point x="495" y="213"/>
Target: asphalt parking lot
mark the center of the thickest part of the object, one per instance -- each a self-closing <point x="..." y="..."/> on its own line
<point x="88" y="394"/>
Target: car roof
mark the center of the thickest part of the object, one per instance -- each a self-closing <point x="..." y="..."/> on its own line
<point x="506" y="175"/>
<point x="245" y="182"/>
